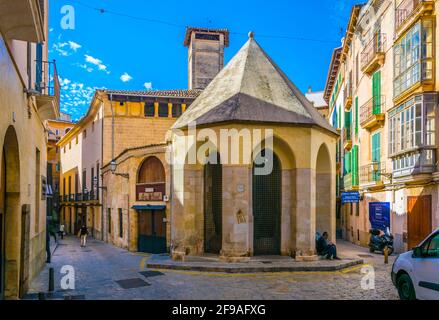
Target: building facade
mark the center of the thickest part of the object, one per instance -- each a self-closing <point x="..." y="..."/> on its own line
<point x="81" y="160"/>
<point x="136" y="173"/>
<point x="382" y="94"/>
<point x="29" y="95"/>
<point x="56" y="129"/>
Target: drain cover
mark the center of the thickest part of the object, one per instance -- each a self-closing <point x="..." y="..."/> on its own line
<point x="132" y="283"/>
<point x="149" y="274"/>
<point x="365" y="256"/>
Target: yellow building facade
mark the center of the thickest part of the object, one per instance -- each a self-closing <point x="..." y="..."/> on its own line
<point x="29" y="95"/>
<point x="125" y="128"/>
<point x="382" y="93"/>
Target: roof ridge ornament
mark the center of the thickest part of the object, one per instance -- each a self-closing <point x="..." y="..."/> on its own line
<point x="251" y="34"/>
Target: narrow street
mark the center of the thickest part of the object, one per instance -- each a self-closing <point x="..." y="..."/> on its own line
<point x="99" y="266"/>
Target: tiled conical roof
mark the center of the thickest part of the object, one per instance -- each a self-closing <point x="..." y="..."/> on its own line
<point x="252" y="88"/>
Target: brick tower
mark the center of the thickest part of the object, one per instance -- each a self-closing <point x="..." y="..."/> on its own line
<point x="206" y="54"/>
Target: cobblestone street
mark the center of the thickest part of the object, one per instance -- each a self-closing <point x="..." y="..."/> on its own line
<point x="99" y="266"/>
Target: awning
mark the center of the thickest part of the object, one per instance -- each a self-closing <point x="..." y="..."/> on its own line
<point x="149" y="207"/>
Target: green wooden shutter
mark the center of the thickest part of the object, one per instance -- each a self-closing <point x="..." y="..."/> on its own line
<point x="376" y="155"/>
<point x="376" y="92"/>
<point x="348" y="162"/>
<point x="376" y="147"/>
<point x="355" y="166"/>
<point x="356" y="116"/>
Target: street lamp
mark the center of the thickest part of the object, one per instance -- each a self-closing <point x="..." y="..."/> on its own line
<point x="113" y="167"/>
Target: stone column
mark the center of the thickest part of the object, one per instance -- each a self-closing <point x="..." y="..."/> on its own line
<point x="236" y="211"/>
<point x="305" y="215"/>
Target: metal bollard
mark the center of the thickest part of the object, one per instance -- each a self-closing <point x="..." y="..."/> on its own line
<point x="51" y="280"/>
<point x="386" y="255"/>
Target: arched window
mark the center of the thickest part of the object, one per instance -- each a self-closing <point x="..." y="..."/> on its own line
<point x="151" y="171"/>
<point x="151" y="180"/>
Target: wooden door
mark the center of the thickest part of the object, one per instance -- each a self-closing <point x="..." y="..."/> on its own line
<point x="152" y="231"/>
<point x="418" y="219"/>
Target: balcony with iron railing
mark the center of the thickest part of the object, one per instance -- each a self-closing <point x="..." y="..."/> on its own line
<point x="47" y="89"/>
<point x="347" y="138"/>
<point x="372" y="175"/>
<point x="372" y="113"/>
<point x="373" y="55"/>
<point x="409" y="11"/>
<point x="350" y="182"/>
<point x="348" y="97"/>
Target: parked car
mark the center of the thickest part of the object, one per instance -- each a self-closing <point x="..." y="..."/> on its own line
<point x="416" y="273"/>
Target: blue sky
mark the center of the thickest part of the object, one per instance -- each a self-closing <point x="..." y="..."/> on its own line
<point x="119" y="51"/>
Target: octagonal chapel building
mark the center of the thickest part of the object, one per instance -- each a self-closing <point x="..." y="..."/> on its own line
<point x="253" y="166"/>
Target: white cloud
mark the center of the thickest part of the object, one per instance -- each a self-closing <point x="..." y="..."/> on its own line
<point x="74" y="46"/>
<point x="96" y="62"/>
<point x="126" y="77"/>
<point x="92" y="60"/>
<point x="59" y="47"/>
<point x="66" y="48"/>
<point x="75" y="97"/>
<point x="148" y="85"/>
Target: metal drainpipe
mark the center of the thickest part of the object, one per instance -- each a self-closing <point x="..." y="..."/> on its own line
<point x="171" y="197"/>
<point x="101" y="163"/>
<point x="112" y="127"/>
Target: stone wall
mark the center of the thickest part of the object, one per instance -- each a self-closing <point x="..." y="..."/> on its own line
<point x="21" y="134"/>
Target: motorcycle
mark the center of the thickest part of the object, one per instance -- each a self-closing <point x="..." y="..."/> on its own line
<point x="380" y="240"/>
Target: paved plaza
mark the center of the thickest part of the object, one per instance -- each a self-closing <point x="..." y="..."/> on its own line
<point x="105" y="272"/>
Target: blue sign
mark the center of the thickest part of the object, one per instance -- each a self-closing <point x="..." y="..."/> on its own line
<point x="350" y="197"/>
<point x="379" y="215"/>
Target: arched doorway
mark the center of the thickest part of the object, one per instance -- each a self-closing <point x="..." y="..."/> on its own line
<point x="10" y="217"/>
<point x="151" y="187"/>
<point x="213" y="195"/>
<point x="323" y="192"/>
<point x="267" y="205"/>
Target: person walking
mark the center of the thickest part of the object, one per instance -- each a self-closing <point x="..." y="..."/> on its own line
<point x="83" y="233"/>
<point x="61" y="231"/>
